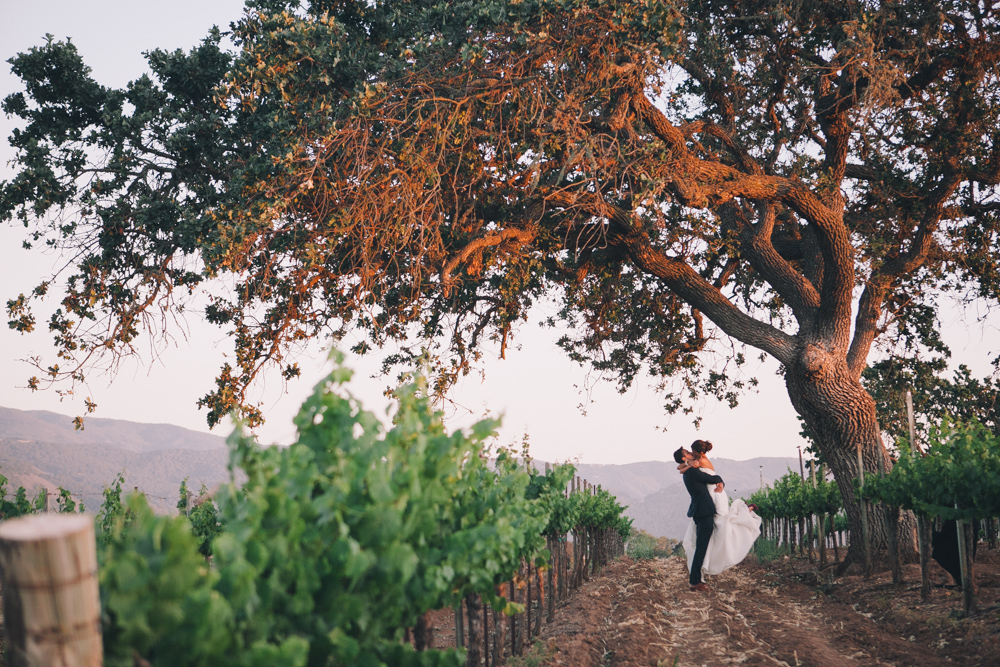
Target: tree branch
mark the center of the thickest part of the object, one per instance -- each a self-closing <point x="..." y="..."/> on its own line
<point x="715" y="184"/>
<point x="521" y="236"/>
<point x="882" y="279"/>
<point x="681" y="278"/>
<point x="756" y="245"/>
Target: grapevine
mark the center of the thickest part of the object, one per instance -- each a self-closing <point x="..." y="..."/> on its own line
<point x="957" y="478"/>
<point x="337" y="544"/>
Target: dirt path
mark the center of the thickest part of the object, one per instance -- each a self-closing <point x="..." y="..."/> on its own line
<point x="642" y="613"/>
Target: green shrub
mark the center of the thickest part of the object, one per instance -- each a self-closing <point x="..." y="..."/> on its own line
<point x="641" y="545"/>
<point x="767" y="550"/>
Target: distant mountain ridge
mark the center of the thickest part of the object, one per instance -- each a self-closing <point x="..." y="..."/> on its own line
<point x="664" y="511"/>
<point x="44" y="426"/>
<point x="41" y="449"/>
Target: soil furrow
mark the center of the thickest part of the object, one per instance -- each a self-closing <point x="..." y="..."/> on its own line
<point x="643" y="614"/>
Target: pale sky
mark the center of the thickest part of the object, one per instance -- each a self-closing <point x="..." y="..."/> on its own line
<point x="537" y="389"/>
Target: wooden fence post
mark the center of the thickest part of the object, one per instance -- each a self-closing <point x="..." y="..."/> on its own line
<point x="486" y="632"/>
<point x="540" y="597"/>
<point x="821" y="519"/>
<point x="550" y="592"/>
<point x="528" y="575"/>
<point x="563" y="566"/>
<point x="923" y="525"/>
<point x="52" y="608"/>
<point x="550" y="543"/>
<point x="891" y="514"/>
<point x="498" y="636"/>
<point x="512" y="623"/>
<point x="474" y="648"/>
<point x="964" y="562"/>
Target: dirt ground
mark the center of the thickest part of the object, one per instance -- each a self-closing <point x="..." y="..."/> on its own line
<point x="785" y="612"/>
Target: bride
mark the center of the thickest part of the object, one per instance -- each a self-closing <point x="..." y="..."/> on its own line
<point x="736" y="525"/>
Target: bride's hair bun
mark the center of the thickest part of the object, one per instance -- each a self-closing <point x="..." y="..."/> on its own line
<point x="701" y="446"/>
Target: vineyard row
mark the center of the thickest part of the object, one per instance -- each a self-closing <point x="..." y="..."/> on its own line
<point x="334" y="550"/>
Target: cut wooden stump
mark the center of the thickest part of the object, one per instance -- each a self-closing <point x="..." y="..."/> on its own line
<point x="48" y="574"/>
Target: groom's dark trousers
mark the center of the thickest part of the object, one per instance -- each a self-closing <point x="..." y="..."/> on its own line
<point x="704" y="525"/>
<point x="702" y="510"/>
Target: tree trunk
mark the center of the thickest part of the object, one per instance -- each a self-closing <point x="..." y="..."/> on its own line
<point x="840" y="414"/>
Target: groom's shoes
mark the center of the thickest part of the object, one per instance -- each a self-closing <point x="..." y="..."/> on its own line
<point x="701" y="588"/>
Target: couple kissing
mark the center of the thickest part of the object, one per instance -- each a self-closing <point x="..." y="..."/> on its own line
<point x="720" y="534"/>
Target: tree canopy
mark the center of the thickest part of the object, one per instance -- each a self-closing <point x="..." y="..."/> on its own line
<point x="935" y="397"/>
<point x="803" y="178"/>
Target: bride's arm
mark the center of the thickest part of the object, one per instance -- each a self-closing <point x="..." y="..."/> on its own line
<point x="705" y="464"/>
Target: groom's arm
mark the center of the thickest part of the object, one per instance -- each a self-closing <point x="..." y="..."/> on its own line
<point x="700" y="475"/>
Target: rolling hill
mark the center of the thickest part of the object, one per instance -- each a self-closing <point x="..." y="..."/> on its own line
<point x="656" y="498"/>
<point x="41" y="449"/>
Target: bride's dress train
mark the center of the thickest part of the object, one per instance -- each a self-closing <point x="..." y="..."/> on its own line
<point x="736" y="529"/>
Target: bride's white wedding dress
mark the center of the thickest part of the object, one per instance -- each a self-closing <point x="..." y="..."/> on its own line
<point x="736" y="529"/>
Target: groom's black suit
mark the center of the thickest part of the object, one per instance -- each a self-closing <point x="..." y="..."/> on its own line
<point x="702" y="510"/>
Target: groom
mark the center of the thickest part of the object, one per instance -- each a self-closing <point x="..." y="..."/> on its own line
<point x="702" y="510"/>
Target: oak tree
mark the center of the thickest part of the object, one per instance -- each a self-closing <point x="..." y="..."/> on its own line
<point x="806" y="179"/>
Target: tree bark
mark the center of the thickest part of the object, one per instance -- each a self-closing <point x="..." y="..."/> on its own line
<point x="841" y="414"/>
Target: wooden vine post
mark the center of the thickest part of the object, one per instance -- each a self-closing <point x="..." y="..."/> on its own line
<point x="585" y="543"/>
<point x="550" y="543"/>
<point x="923" y="524"/>
<point x="540" y="599"/>
<point x="528" y="571"/>
<point x="498" y="636"/>
<point x="52" y="607"/>
<point x="891" y="518"/>
<point x="486" y="632"/>
<point x="474" y="645"/>
<point x="821" y="535"/>
<point x="512" y="623"/>
<point x="459" y="626"/>
<point x="526" y="631"/>
<point x="564" y="554"/>
<point x="965" y="566"/>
